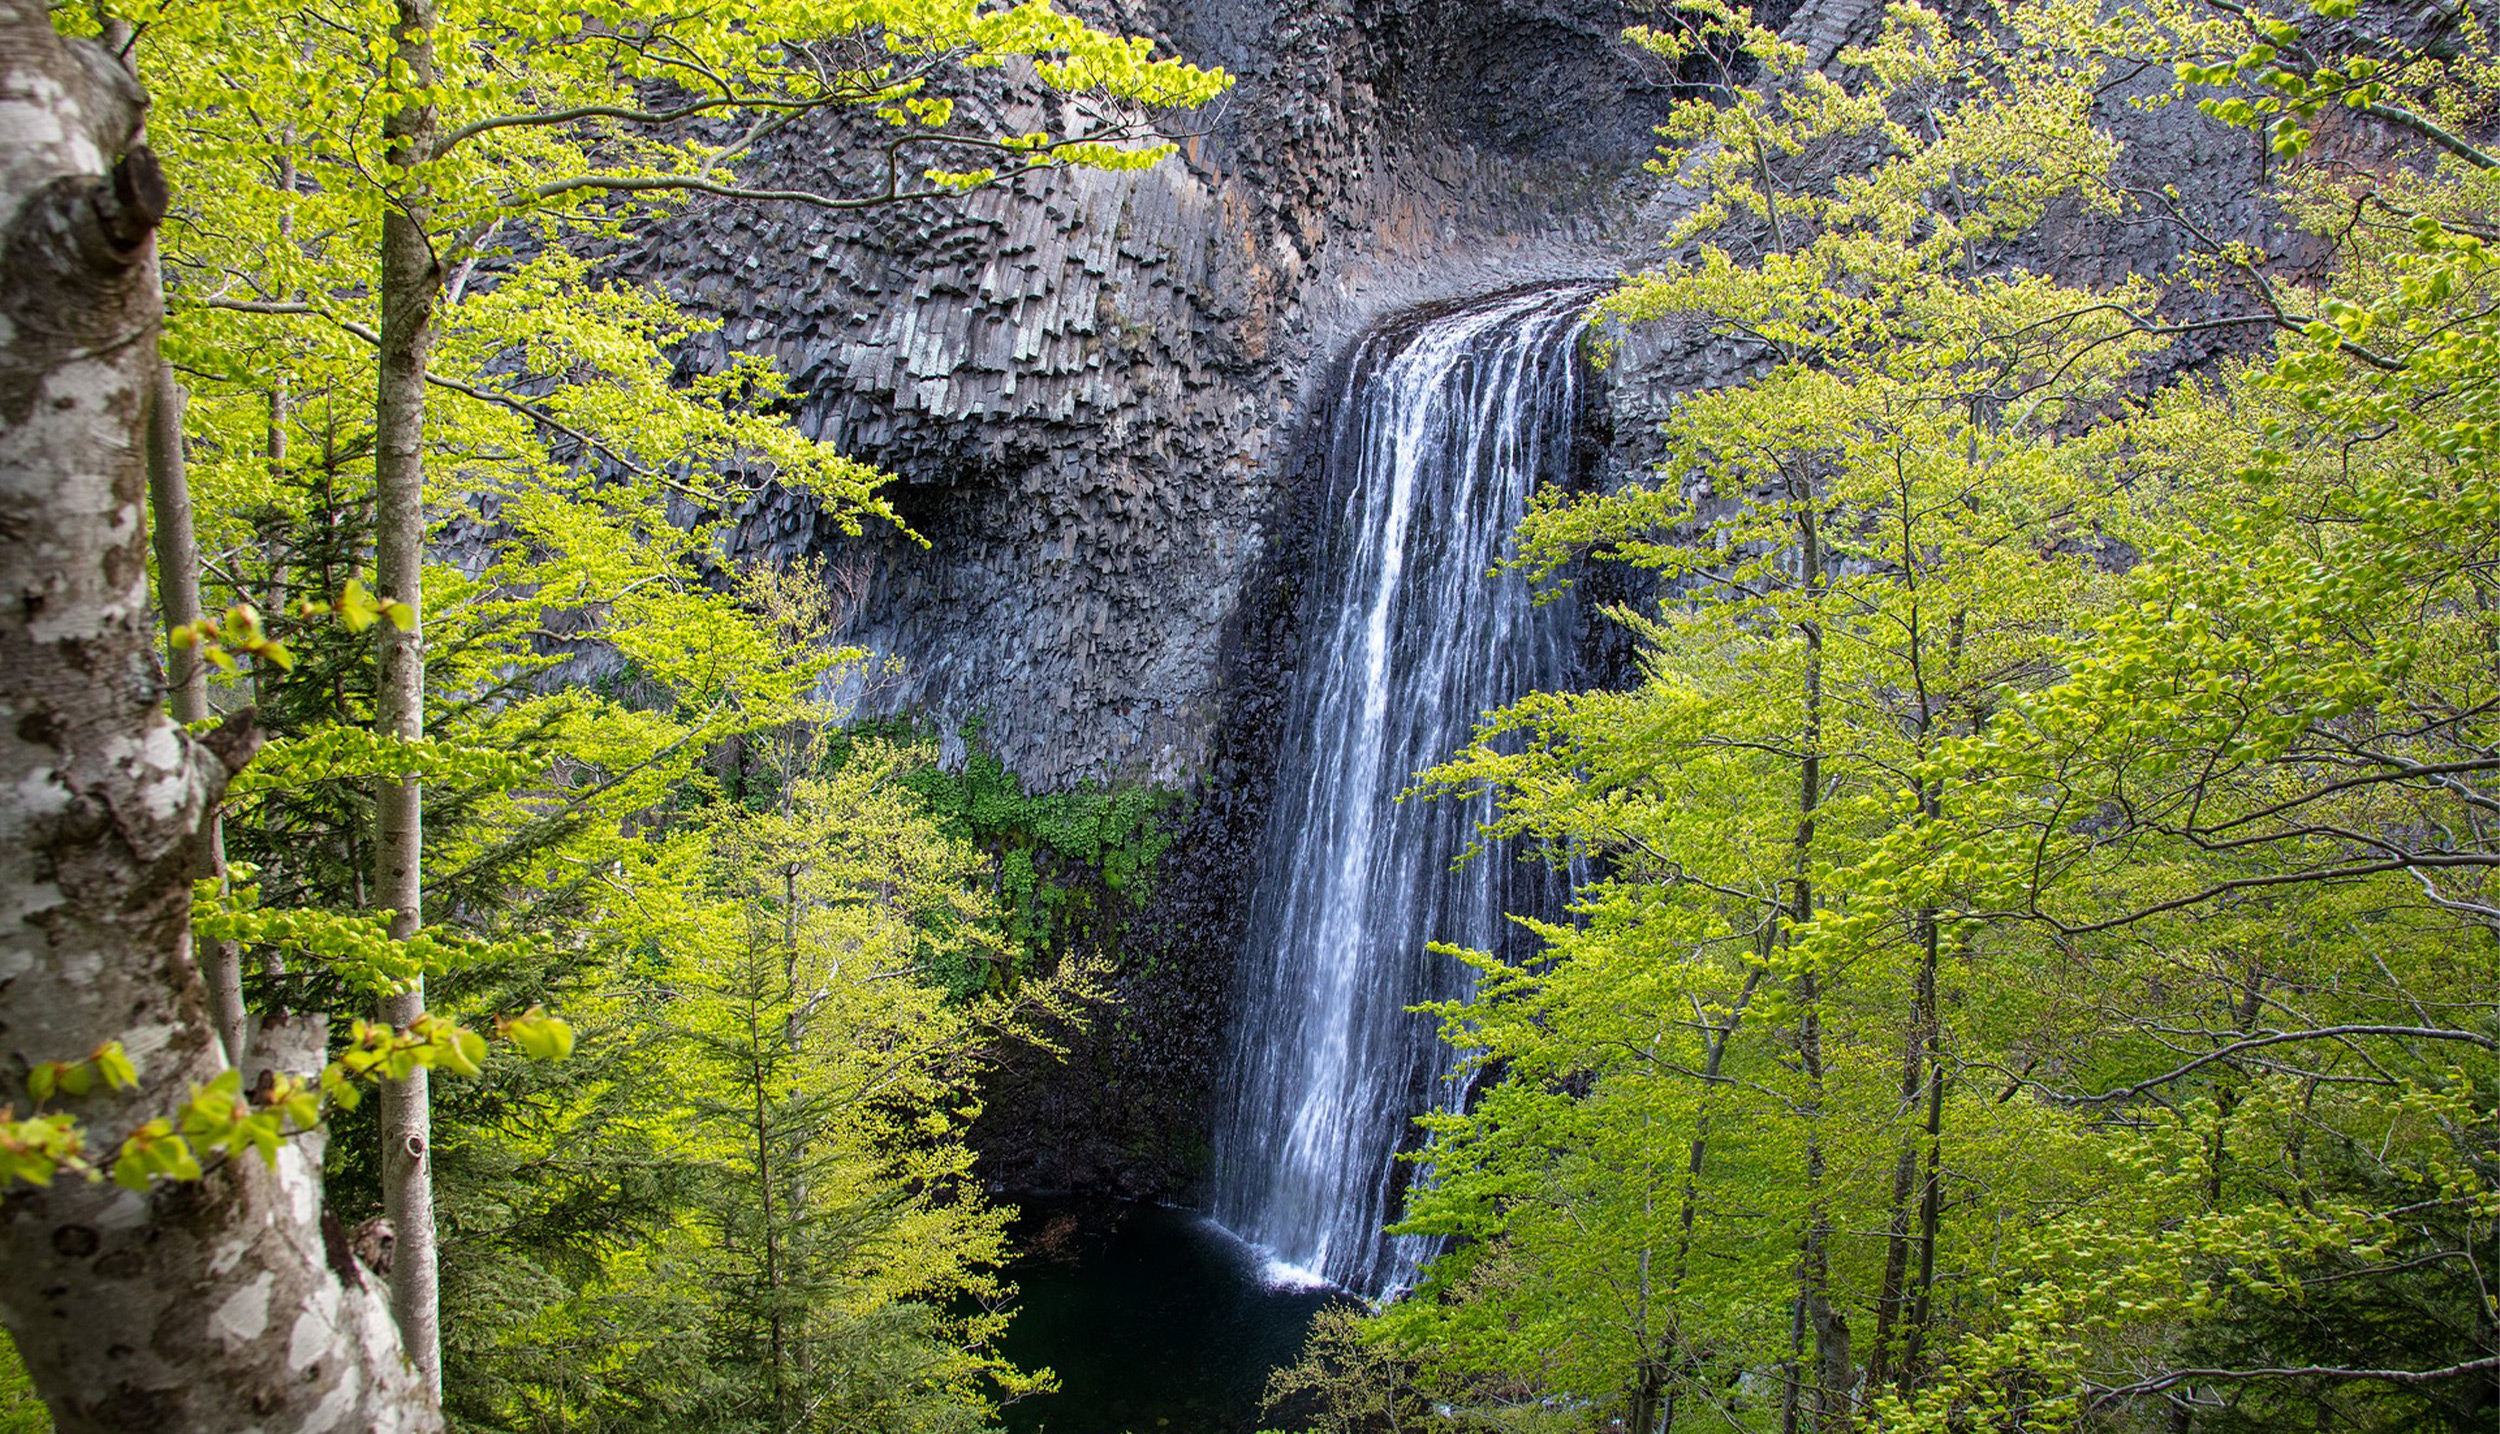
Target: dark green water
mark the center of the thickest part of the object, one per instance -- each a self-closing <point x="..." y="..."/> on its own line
<point x="1155" y="1319"/>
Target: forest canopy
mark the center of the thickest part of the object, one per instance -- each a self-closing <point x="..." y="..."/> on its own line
<point x="2031" y="965"/>
<point x="2040" y="966"/>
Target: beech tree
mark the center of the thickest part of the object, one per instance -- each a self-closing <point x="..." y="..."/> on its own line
<point x="1693" y="1065"/>
<point x="2040" y="970"/>
<point x="212" y="1304"/>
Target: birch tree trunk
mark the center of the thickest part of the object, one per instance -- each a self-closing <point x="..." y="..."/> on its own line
<point x="178" y="597"/>
<point x="214" y="1305"/>
<point x="411" y="278"/>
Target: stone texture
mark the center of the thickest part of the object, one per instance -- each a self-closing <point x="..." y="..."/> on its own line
<point x="1089" y="384"/>
<point x="1087" y="381"/>
<point x="1098" y="392"/>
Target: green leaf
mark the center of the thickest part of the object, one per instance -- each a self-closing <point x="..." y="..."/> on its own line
<point x="114" y="1063"/>
<point x="154" y="1151"/>
<point x="463" y="1051"/>
<point x="540" y="1036"/>
<point x="356" y="608"/>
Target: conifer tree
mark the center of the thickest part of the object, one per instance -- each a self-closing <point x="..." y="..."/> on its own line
<point x="495" y="128"/>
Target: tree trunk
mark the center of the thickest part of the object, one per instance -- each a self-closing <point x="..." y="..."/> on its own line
<point x="1720" y="1035"/>
<point x="177" y="548"/>
<point x="1815" y="1312"/>
<point x="178" y="598"/>
<point x="778" y="1334"/>
<point x="1931" y="1191"/>
<point x="410" y="280"/>
<point x="1892" y="1294"/>
<point x="1649" y="1385"/>
<point x="178" y="595"/>
<point x="1901" y="1312"/>
<point x="205" y="1306"/>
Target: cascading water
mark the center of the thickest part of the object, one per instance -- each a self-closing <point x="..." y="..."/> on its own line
<point x="1447" y="424"/>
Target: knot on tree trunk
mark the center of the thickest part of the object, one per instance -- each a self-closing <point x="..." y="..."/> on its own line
<point x="234" y="742"/>
<point x="129" y="209"/>
<point x="70" y="252"/>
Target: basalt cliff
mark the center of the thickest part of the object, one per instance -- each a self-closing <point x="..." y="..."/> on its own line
<point x="1101" y="393"/>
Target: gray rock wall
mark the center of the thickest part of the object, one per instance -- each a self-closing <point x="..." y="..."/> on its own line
<point x="1097" y="391"/>
<point x="1087" y="382"/>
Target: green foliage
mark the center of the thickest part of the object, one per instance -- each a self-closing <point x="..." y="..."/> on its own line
<point x="1345" y="1383"/>
<point x="2038" y="969"/>
<point x="557" y="419"/>
<point x="575" y="843"/>
<point x="20" y="1411"/>
<point x="2280" y="73"/>
<point x="756" y="1210"/>
<point x="1069" y="864"/>
<point x="552" y="383"/>
<point x="221" y="1119"/>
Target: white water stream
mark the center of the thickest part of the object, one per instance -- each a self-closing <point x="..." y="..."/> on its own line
<point x="1448" y="423"/>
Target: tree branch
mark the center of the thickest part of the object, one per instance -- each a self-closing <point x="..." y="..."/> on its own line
<point x="509" y="402"/>
<point x="691" y="184"/>
<point x="2104" y="1394"/>
<point x="626" y="114"/>
<point x="2425" y="1033"/>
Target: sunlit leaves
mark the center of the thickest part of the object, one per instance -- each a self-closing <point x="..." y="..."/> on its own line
<point x="2160" y="715"/>
<point x="811" y="1082"/>
<point x="45" y="1144"/>
<point x="110" y="1064"/>
<point x="354" y="947"/>
<point x="358" y="610"/>
<point x="219" y="639"/>
<point x="357" y="754"/>
<point x="539" y="1036"/>
<point x="2282" y="76"/>
<point x="153" y="1152"/>
<point x="219" y="1119"/>
<point x="38" y="1148"/>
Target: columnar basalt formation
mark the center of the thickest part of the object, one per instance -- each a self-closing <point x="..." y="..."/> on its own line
<point x="1088" y="382"/>
<point x="1099" y="390"/>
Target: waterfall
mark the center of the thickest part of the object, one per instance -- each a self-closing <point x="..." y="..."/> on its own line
<point x="1446" y="425"/>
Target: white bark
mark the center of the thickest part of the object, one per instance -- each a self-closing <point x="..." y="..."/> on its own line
<point x="411" y="280"/>
<point x="216" y="1305"/>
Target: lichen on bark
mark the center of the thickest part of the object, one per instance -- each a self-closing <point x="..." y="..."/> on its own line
<point x="203" y="1306"/>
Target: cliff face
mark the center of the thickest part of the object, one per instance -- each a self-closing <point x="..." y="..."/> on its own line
<point x="1090" y="383"/>
<point x="1099" y="392"/>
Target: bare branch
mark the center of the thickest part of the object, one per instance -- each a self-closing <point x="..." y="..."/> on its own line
<point x="2105" y="1394"/>
<point x="2276" y="1038"/>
